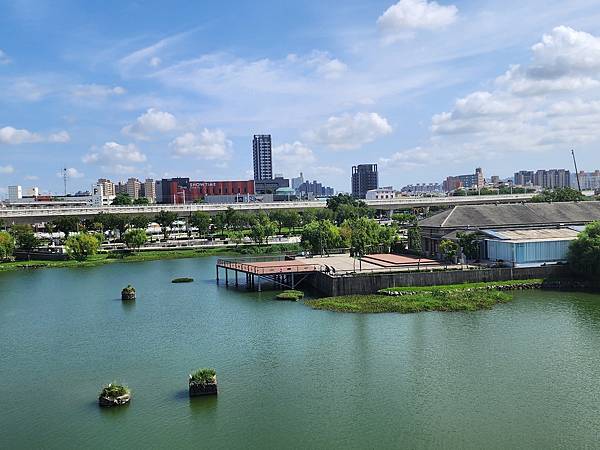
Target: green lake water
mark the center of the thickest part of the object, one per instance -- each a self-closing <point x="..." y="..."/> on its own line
<point x="523" y="375"/>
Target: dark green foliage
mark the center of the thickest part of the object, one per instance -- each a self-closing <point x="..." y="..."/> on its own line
<point x="469" y="244"/>
<point x="165" y="219"/>
<point x="203" y="376"/>
<point x="414" y="239"/>
<point x="404" y="219"/>
<point x="345" y="207"/>
<point x="139" y="221"/>
<point x="565" y="194"/>
<point x="584" y="252"/>
<point x="141" y="201"/>
<point x="25" y="237"/>
<point x="201" y="221"/>
<point x="66" y="224"/>
<point x="182" y="280"/>
<point x="114" y="390"/>
<point x="122" y="200"/>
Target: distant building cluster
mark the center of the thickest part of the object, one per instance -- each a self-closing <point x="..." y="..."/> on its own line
<point x="546" y="179"/>
<point x="469" y="181"/>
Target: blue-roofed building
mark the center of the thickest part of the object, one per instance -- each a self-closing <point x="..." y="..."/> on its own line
<point x="523" y="247"/>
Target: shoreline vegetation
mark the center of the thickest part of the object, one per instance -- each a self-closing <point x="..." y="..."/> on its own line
<point x="412" y="299"/>
<point x="154" y="255"/>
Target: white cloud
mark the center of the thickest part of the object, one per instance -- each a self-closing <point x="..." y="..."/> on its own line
<point x="14" y="136"/>
<point x="4" y="59"/>
<point x="550" y="104"/>
<point x="292" y="158"/>
<point x="7" y="169"/>
<point x="151" y="122"/>
<point x="208" y="144"/>
<point x="155" y="61"/>
<point x="347" y="132"/>
<point x="406" y="16"/>
<point x="31" y="177"/>
<point x="72" y="172"/>
<point x="60" y="137"/>
<point x="97" y="91"/>
<point x="115" y="157"/>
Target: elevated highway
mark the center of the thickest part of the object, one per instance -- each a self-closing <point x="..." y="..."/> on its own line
<point x="43" y="213"/>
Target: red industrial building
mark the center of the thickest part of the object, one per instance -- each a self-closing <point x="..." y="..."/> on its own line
<point x="182" y="190"/>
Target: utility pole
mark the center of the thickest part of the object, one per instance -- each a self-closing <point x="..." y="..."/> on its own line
<point x="65" y="179"/>
<point x="576" y="171"/>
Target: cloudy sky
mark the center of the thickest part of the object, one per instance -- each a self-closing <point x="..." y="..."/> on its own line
<point x="424" y="89"/>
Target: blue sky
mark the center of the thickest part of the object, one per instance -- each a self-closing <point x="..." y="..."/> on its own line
<point x="425" y="89"/>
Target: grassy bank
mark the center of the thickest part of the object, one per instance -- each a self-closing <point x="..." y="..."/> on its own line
<point x="109" y="258"/>
<point x="458" y="297"/>
<point x="484" y="285"/>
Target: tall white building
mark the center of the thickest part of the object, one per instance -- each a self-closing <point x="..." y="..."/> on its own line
<point x="133" y="188"/>
<point x="108" y="187"/>
<point x="15" y="193"/>
<point x="150" y="190"/>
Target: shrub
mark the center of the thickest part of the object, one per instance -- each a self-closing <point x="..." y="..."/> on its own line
<point x="114" y="390"/>
<point x="203" y="376"/>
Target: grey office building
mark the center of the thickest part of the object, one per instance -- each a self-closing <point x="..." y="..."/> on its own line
<point x="364" y="178"/>
<point x="263" y="159"/>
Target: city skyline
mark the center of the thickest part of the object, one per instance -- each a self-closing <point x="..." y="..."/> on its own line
<point x="437" y="93"/>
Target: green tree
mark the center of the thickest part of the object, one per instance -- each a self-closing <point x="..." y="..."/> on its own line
<point x="81" y="246"/>
<point x="141" y="201"/>
<point x="319" y="236"/>
<point x="7" y="245"/>
<point x="565" y="194"/>
<point x="165" y="219"/>
<point x="122" y="200"/>
<point x="135" y="238"/>
<point x="25" y="237"/>
<point x="140" y="221"/>
<point x="584" y="252"/>
<point x="388" y="236"/>
<point x="469" y="244"/>
<point x="292" y="220"/>
<point x="278" y="216"/>
<point x="414" y="239"/>
<point x="219" y="221"/>
<point x="404" y="219"/>
<point x="261" y="228"/>
<point x="449" y="249"/>
<point x="237" y="237"/>
<point x="66" y="224"/>
<point x="201" y="221"/>
<point x="364" y="233"/>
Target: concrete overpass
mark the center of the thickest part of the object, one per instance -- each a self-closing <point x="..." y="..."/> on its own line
<point x="43" y="213"/>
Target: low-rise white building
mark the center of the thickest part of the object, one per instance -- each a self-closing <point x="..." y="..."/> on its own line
<point x="382" y="193"/>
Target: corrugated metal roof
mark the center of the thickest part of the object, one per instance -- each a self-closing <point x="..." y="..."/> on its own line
<point x="490" y="216"/>
<point x="540" y="234"/>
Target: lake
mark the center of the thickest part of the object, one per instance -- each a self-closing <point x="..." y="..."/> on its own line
<point x="523" y="375"/>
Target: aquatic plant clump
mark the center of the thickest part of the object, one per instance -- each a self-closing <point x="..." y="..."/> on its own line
<point x="114" y="395"/>
<point x="203" y="382"/>
<point x="182" y="280"/>
<point x="203" y="376"/>
<point x="128" y="293"/>
<point x="442" y="300"/>
<point x="290" y="295"/>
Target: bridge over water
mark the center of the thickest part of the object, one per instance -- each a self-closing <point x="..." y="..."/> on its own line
<point x="38" y="213"/>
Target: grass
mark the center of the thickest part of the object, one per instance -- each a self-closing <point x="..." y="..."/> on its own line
<point x="456" y="299"/>
<point x="182" y="280"/>
<point x="114" y="390"/>
<point x="203" y="376"/>
<point x="290" y="295"/>
<point x="108" y="258"/>
<point x="451" y="287"/>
